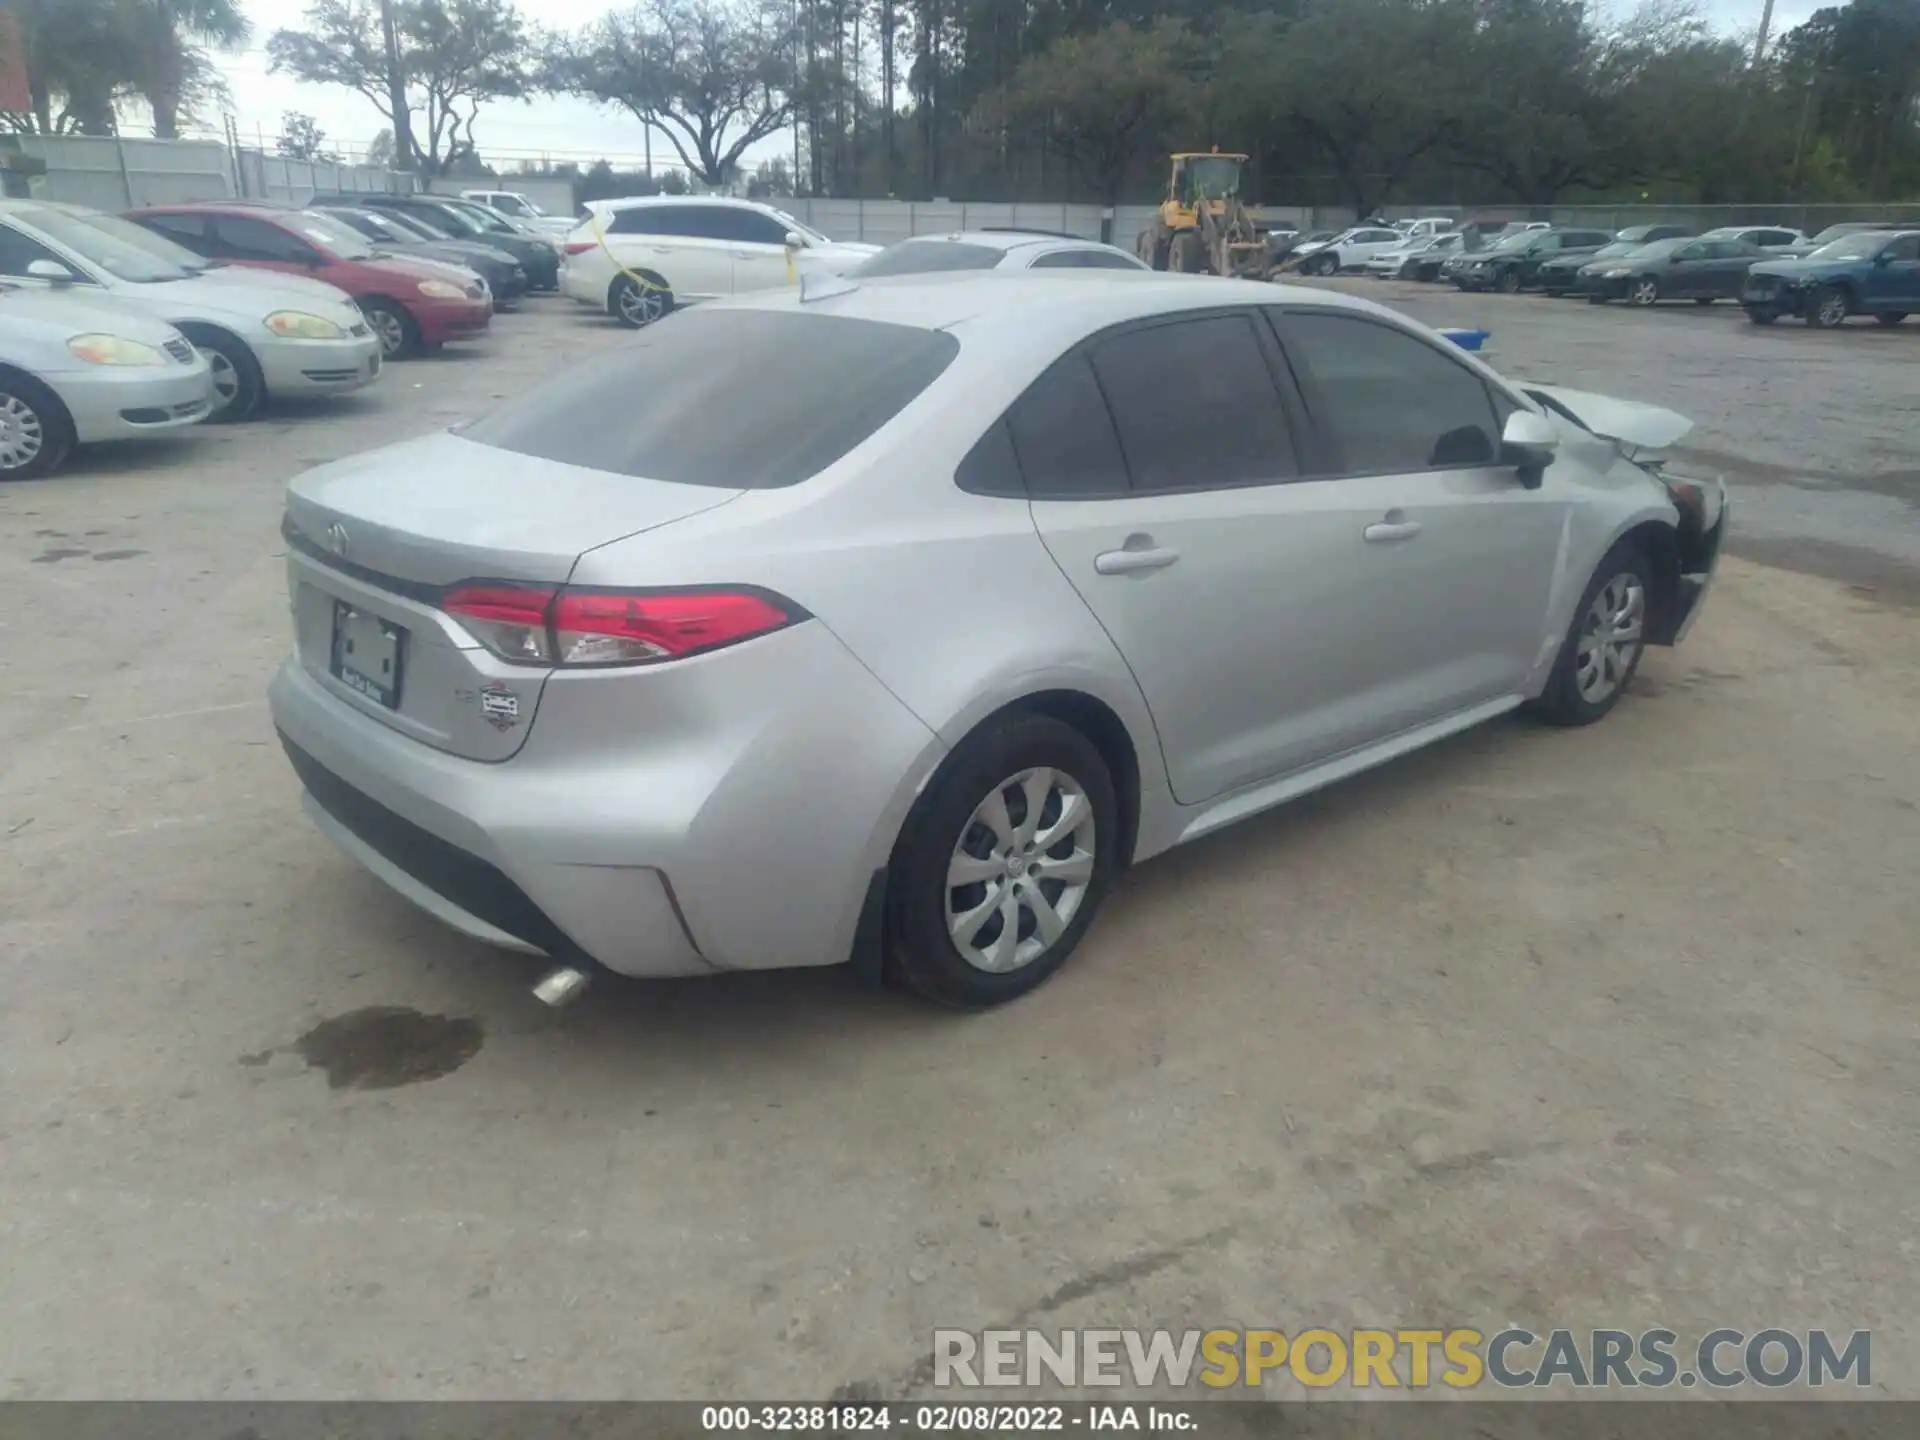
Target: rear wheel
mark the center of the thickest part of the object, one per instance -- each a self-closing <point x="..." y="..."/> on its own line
<point x="35" y="433"/>
<point x="1509" y="282"/>
<point x="637" y="301"/>
<point x="1762" y="314"/>
<point x="1644" y="291"/>
<point x="1890" y="317"/>
<point x="1828" y="307"/>
<point x="1605" y="642"/>
<point x="1003" y="864"/>
<point x="398" y="331"/>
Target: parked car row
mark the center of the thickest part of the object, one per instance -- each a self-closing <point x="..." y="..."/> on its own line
<point x="116" y="326"/>
<point x="1856" y="268"/>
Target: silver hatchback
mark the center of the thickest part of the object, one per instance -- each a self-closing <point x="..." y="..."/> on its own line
<point x="891" y="623"/>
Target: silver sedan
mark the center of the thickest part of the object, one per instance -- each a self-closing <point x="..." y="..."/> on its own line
<point x="994" y="586"/>
<point x="74" y="372"/>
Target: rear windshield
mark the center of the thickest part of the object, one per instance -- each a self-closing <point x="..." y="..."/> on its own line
<point x="922" y="257"/>
<point x="743" y="399"/>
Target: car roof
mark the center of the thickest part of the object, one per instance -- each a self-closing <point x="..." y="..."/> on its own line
<point x="637" y="202"/>
<point x="1009" y="240"/>
<point x="1018" y="307"/>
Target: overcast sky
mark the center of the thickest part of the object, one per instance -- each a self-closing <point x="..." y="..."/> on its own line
<point x="578" y="130"/>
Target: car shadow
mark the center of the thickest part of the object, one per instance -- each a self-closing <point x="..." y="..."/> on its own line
<point x="626" y="1034"/>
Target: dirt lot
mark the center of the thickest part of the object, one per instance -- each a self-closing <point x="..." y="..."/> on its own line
<point x="1614" y="1027"/>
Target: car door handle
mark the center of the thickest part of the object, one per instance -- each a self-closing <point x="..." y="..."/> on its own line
<point x="1131" y="562"/>
<point x="1387" y="531"/>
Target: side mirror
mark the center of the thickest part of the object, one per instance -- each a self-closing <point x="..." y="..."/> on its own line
<point x="1885" y="257"/>
<point x="793" y="241"/>
<point x="1527" y="443"/>
<point x="50" y="270"/>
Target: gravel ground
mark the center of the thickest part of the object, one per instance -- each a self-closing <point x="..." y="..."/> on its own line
<point x="1611" y="1027"/>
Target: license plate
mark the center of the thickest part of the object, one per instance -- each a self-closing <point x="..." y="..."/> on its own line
<point x="367" y="654"/>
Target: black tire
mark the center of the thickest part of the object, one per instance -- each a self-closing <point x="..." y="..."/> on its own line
<point x="639" y="302"/>
<point x="238" y="385"/>
<point x="1827" y="307"/>
<point x="1562" y="702"/>
<point x="1552" y="292"/>
<point x="399" y="332"/>
<point x="1890" y="317"/>
<point x="1644" y="291"/>
<point x="1762" y="314"/>
<point x="1508" y="282"/>
<point x="1158" y="258"/>
<point x="31" y="419"/>
<point x="1703" y="299"/>
<point x="1324" y="265"/>
<point x="920" y="951"/>
<point x="1184" y="253"/>
<point x="1596" y="299"/>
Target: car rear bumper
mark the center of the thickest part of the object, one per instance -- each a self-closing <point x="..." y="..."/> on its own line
<point x="660" y="825"/>
<point x="111" y="402"/>
<point x="318" y="367"/>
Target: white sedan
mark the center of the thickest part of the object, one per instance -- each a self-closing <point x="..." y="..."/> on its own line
<point x="1007" y="249"/>
<point x="639" y="258"/>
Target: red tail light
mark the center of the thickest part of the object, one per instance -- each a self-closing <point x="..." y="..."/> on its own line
<point x="535" y="626"/>
<point x="580" y="247"/>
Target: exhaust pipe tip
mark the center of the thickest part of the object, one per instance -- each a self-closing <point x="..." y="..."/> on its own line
<point x="562" y="986"/>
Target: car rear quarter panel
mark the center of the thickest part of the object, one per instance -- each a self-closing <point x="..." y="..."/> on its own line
<point x="949" y="599"/>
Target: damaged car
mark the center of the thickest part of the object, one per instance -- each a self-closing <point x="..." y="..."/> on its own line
<point x="631" y="695"/>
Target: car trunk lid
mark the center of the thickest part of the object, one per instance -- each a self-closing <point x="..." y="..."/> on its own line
<point x="375" y="543"/>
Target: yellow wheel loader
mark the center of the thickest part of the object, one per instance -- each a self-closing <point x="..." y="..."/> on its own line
<point x="1203" y="228"/>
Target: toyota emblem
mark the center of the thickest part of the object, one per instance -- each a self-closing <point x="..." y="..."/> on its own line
<point x="337" y="539"/>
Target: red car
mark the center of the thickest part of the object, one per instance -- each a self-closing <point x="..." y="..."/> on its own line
<point x="411" y="304"/>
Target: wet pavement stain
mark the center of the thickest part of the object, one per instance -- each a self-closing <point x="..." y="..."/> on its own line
<point x="56" y="554"/>
<point x="384" y="1046"/>
<point x="116" y="554"/>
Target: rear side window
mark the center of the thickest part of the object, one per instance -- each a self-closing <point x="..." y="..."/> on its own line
<point x="669" y="404"/>
<point x="1064" y="437"/>
<point x="1906" y="247"/>
<point x="1195" y="405"/>
<point x="1390" y="402"/>
<point x="924" y="257"/>
<point x="640" y="220"/>
<point x="1108" y="260"/>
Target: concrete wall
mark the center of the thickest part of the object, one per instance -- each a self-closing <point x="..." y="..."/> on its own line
<point x="295" y="182"/>
<point x="115" y="174"/>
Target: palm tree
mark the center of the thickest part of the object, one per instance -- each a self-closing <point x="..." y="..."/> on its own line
<point x="171" y="68"/>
